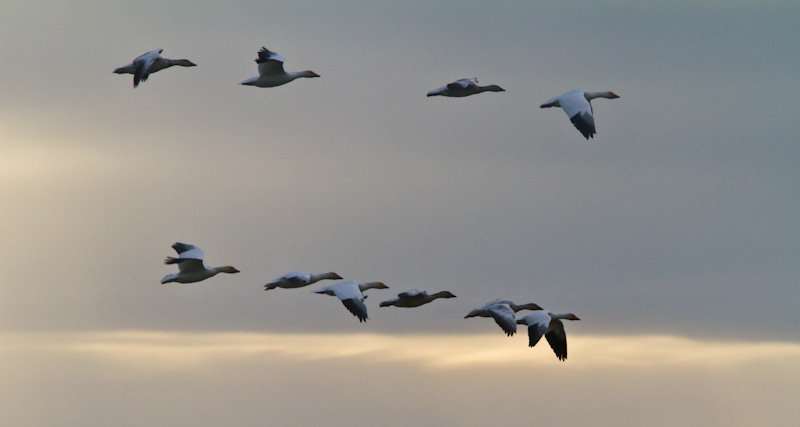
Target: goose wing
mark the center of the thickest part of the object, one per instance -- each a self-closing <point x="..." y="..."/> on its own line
<point x="143" y="64"/>
<point x="462" y="84"/>
<point x="190" y="258"/>
<point x="557" y="339"/>
<point x="503" y="315"/>
<point x="269" y="63"/>
<point x="538" y="322"/>
<point x="412" y="293"/>
<point x="302" y="277"/>
<point x="351" y="297"/>
<point x="579" y="111"/>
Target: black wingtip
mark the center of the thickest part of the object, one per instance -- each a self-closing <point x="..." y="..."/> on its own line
<point x="357" y="308"/>
<point x="585" y="124"/>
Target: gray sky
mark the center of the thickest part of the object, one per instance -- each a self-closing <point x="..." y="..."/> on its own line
<point x="680" y="218"/>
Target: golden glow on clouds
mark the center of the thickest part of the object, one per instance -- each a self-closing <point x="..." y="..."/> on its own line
<point x="164" y="378"/>
<point x="190" y="351"/>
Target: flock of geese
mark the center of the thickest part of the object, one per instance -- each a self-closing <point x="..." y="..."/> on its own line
<point x="576" y="103"/>
<point x="192" y="268"/>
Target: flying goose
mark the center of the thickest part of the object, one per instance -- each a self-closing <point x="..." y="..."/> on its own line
<point x="576" y="103"/>
<point x="464" y="87"/>
<point x="271" y="73"/>
<point x="415" y="298"/>
<point x="503" y="312"/>
<point x="350" y="292"/>
<point x="298" y="279"/>
<point x="191" y="266"/>
<point x="149" y="63"/>
<point x="548" y="324"/>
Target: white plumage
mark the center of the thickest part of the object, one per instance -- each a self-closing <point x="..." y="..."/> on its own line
<point x="547" y="324"/>
<point x="503" y="312"/>
<point x="298" y="279"/>
<point x="191" y="266"/>
<point x="149" y="63"/>
<point x="350" y="292"/>
<point x="576" y="103"/>
<point x="271" y="72"/>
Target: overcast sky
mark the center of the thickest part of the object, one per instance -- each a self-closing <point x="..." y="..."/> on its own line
<point x="678" y="221"/>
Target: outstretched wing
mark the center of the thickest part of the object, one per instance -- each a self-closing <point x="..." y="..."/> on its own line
<point x="190" y="258"/>
<point x="412" y="293"/>
<point x="503" y="315"/>
<point x="269" y="62"/>
<point x="143" y="64"/>
<point x="579" y="111"/>
<point x="462" y="84"/>
<point x="537" y="322"/>
<point x="558" y="339"/>
<point x="352" y="298"/>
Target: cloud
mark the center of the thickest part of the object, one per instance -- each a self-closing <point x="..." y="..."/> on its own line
<point x="165" y="378"/>
<point x="190" y="351"/>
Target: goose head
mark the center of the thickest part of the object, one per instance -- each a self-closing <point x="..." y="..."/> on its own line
<point x="473" y="313"/>
<point x="444" y="294"/>
<point x="184" y="63"/>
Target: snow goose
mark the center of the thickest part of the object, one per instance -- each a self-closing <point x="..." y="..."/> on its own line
<point x="298" y="279"/>
<point x="464" y="87"/>
<point x="350" y="293"/>
<point x="415" y="298"/>
<point x="576" y="103"/>
<point x="502" y="310"/>
<point x="271" y="73"/>
<point x="191" y="265"/>
<point x="149" y="63"/>
<point x="548" y="324"/>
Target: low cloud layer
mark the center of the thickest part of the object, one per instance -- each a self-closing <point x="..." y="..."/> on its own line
<point x="161" y="378"/>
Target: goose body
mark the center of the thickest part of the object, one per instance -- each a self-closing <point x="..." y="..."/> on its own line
<point x="271" y="72"/>
<point x="350" y="292"/>
<point x="577" y="104"/>
<point x="191" y="266"/>
<point x="298" y="279"/>
<point x="149" y="63"/>
<point x="415" y="298"/>
<point x="503" y="312"/>
<point x="548" y="324"/>
<point x="464" y="87"/>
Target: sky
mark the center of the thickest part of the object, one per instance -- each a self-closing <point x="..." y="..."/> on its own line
<point x="673" y="234"/>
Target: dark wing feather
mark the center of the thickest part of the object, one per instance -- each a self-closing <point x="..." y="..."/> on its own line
<point x="557" y="339"/>
<point x="357" y="307"/>
<point x="269" y="62"/>
<point x="297" y="280"/>
<point x="584" y="123"/>
<point x="504" y="317"/>
<point x="265" y="54"/>
<point x="139" y="75"/>
<point x="182" y="247"/>
<point x="558" y="343"/>
<point x="534" y="335"/>
<point x="413" y="293"/>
